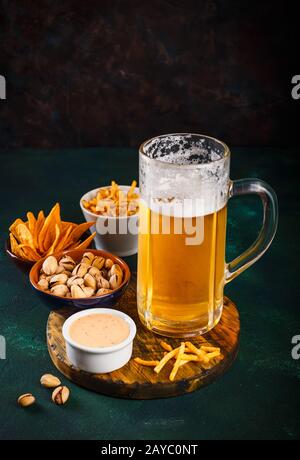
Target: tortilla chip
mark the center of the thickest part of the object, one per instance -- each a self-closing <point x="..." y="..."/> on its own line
<point x="47" y="233"/>
<point x="52" y="248"/>
<point x="85" y="244"/>
<point x="29" y="252"/>
<point x="14" y="225"/>
<point x="31" y="222"/>
<point x="79" y="230"/>
<point x="24" y="235"/>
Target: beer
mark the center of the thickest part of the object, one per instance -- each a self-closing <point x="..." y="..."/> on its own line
<point x="184" y="189"/>
<point x="180" y="285"/>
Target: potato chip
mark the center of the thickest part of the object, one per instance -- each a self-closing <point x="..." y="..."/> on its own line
<point x="52" y="248"/>
<point x="31" y="222"/>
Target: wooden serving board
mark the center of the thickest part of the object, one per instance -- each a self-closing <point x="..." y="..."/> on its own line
<point x="139" y="382"/>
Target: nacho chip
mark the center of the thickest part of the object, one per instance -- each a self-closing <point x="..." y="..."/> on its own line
<point x="47" y="233"/>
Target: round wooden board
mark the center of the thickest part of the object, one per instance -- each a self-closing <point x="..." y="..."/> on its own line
<point x="139" y="382"/>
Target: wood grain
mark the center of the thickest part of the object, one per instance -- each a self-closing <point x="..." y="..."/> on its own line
<point x="139" y="382"/>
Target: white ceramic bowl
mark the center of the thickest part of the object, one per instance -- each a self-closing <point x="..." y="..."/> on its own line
<point x="102" y="359"/>
<point x="113" y="234"/>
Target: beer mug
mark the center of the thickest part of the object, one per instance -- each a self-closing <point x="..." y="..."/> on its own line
<point x="184" y="189"/>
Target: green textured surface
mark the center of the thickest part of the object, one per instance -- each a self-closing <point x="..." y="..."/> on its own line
<point x="258" y="398"/>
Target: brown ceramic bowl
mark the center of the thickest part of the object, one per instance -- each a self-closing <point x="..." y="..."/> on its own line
<point x="95" y="301"/>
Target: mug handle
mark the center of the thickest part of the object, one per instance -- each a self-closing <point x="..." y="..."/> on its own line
<point x="269" y="226"/>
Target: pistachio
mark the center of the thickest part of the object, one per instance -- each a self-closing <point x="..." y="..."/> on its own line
<point x="80" y="270"/>
<point x="108" y="263"/>
<point x="90" y="281"/>
<point x="94" y="271"/>
<point x="103" y="291"/>
<point x="67" y="262"/>
<point x="115" y="281"/>
<point x="66" y="272"/>
<point x="89" y="292"/>
<point x="60" y="269"/>
<point x="75" y="280"/>
<point x="50" y="265"/>
<point x="78" y="291"/>
<point x="98" y="262"/>
<point x="50" y="381"/>
<point x="43" y="276"/>
<point x="60" y="395"/>
<point x="60" y="290"/>
<point x="88" y="258"/>
<point x="102" y="283"/>
<point x="116" y="269"/>
<point x="26" y="400"/>
<point x="43" y="284"/>
<point x="58" y="279"/>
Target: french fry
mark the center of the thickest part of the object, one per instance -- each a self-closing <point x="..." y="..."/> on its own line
<point x="201" y="354"/>
<point x="143" y="362"/>
<point x="112" y="201"/>
<point x="209" y="348"/>
<point x="177" y="362"/>
<point x="212" y="355"/>
<point x="165" y="359"/>
<point x="166" y="346"/>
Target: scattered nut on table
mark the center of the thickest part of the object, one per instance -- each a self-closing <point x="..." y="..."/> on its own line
<point x="93" y="275"/>
<point x="50" y="381"/>
<point x="60" y="395"/>
<point x="26" y="400"/>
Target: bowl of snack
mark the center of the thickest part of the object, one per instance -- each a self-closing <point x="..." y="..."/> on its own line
<point x="99" y="340"/>
<point x="114" y="211"/>
<point x="40" y="236"/>
<point x="82" y="278"/>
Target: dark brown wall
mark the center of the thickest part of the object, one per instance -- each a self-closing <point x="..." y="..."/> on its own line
<point x="88" y="73"/>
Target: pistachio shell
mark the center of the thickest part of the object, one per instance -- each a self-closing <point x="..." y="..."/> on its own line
<point x="88" y="258"/>
<point x="67" y="262"/>
<point x="102" y="283"/>
<point x="103" y="291"/>
<point x="26" y="400"/>
<point x="80" y="270"/>
<point x="108" y="263"/>
<point x="60" y="395"/>
<point x="98" y="262"/>
<point x="90" y="281"/>
<point x="116" y="269"/>
<point x="89" y="292"/>
<point x="58" y="279"/>
<point x="59" y="269"/>
<point x="60" y="290"/>
<point x="50" y="265"/>
<point x="78" y="291"/>
<point x="75" y="280"/>
<point x="50" y="381"/>
<point x="43" y="284"/>
<point x="94" y="271"/>
<point x="115" y="281"/>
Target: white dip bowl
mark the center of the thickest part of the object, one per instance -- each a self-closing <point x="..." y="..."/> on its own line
<point x="117" y="235"/>
<point x="99" y="360"/>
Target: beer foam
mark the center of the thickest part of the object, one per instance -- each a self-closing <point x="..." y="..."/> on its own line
<point x="199" y="188"/>
<point x="183" y="149"/>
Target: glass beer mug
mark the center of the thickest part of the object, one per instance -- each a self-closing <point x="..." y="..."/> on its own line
<point x="184" y="189"/>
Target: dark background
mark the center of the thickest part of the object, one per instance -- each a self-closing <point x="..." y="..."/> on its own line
<point x="114" y="73"/>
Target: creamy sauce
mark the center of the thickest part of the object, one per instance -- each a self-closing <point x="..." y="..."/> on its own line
<point x="99" y="330"/>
